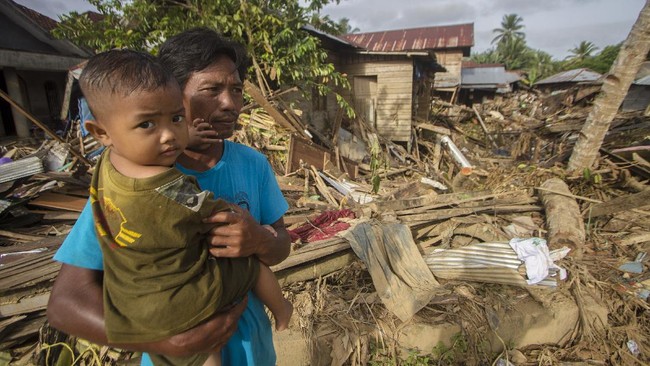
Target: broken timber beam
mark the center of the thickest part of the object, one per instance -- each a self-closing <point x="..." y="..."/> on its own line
<point x="623" y="203"/>
<point x="43" y="127"/>
<point x="259" y="98"/>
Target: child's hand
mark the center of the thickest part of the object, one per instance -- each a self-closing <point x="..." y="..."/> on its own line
<point x="201" y="133"/>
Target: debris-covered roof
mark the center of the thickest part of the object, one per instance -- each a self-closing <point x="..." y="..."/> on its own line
<point x="425" y="38"/>
<point x="582" y="75"/>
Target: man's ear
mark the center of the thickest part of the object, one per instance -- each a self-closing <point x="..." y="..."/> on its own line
<point x="98" y="132"/>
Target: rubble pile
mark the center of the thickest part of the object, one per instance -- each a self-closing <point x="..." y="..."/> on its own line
<point x="471" y="181"/>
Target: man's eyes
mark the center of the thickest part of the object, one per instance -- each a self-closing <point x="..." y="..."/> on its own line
<point x="178" y="119"/>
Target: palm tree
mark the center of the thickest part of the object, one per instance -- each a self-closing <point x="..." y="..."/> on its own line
<point x="510" y="29"/>
<point x="540" y="65"/>
<point x="628" y="62"/>
<point x="582" y="51"/>
<point x="514" y="53"/>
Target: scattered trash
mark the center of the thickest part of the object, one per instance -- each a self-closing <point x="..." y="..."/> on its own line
<point x="633" y="347"/>
<point x="635" y="266"/>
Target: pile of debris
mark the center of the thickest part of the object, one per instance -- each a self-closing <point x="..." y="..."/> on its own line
<point x="435" y="231"/>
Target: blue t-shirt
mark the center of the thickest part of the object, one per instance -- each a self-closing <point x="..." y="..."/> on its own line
<point x="242" y="176"/>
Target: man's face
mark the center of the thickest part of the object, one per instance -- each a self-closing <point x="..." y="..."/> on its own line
<point x="215" y="94"/>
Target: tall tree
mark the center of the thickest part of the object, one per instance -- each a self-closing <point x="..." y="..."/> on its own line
<point x="582" y="51"/>
<point x="282" y="53"/>
<point x="630" y="58"/>
<point x="514" y="53"/>
<point x="511" y="26"/>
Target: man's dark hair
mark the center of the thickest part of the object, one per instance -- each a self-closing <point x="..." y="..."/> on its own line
<point x="196" y="49"/>
<point x="121" y="72"/>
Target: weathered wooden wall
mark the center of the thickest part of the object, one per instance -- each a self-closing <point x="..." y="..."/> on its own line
<point x="393" y="104"/>
<point x="452" y="61"/>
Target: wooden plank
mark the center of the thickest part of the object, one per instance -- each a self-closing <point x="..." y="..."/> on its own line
<point x="46" y="242"/>
<point x="453" y="212"/>
<point x="300" y="259"/>
<point x="259" y="98"/>
<point x="60" y="201"/>
<point x="622" y="203"/>
<point x="27" y="305"/>
<point x="433" y="128"/>
<point x="311" y="154"/>
<point x="315" y="269"/>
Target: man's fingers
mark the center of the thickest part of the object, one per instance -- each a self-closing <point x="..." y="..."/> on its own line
<point x="224" y="217"/>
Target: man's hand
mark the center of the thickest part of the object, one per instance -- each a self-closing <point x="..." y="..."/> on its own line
<point x="211" y="335"/>
<point x="76" y="307"/>
<point x="239" y="235"/>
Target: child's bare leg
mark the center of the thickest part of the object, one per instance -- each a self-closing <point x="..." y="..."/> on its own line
<point x="213" y="360"/>
<point x="268" y="290"/>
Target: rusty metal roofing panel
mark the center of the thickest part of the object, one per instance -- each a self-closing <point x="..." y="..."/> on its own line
<point x="572" y="76"/>
<point x="426" y="38"/>
<point x="41" y="20"/>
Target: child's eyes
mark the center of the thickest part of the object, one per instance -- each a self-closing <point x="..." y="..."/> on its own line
<point x="178" y="119"/>
<point x="146" y="125"/>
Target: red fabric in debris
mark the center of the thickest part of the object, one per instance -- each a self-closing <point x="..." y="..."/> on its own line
<point x="324" y="226"/>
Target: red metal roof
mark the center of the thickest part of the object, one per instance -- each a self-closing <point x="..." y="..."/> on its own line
<point x="43" y="21"/>
<point x="416" y="39"/>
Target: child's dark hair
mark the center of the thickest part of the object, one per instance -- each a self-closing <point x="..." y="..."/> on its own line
<point x="122" y="72"/>
<point x="196" y="49"/>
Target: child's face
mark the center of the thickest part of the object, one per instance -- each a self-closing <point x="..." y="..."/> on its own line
<point x="147" y="128"/>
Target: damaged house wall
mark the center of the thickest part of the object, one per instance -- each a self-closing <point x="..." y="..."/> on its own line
<point x="382" y="92"/>
<point x="393" y="73"/>
<point x="33" y="68"/>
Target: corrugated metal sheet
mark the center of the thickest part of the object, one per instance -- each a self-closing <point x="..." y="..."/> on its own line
<point x="487" y="77"/>
<point x="643" y="81"/>
<point x="572" y="76"/>
<point x="427" y="38"/>
<point x="43" y="21"/>
<point x="20" y="168"/>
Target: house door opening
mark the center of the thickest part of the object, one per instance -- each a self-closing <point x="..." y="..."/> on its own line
<point x="365" y="98"/>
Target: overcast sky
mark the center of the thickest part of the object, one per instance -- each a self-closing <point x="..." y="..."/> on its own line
<point x="554" y="26"/>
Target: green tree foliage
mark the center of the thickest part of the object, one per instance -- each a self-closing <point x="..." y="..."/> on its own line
<point x="330" y="26"/>
<point x="282" y="53"/>
<point x="603" y="61"/>
<point x="511" y="26"/>
<point x="512" y="51"/>
<point x="581" y="52"/>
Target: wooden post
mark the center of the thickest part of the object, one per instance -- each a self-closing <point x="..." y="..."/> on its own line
<point x="43" y="127"/>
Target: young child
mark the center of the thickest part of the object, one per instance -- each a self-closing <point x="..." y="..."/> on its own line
<point x="159" y="277"/>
